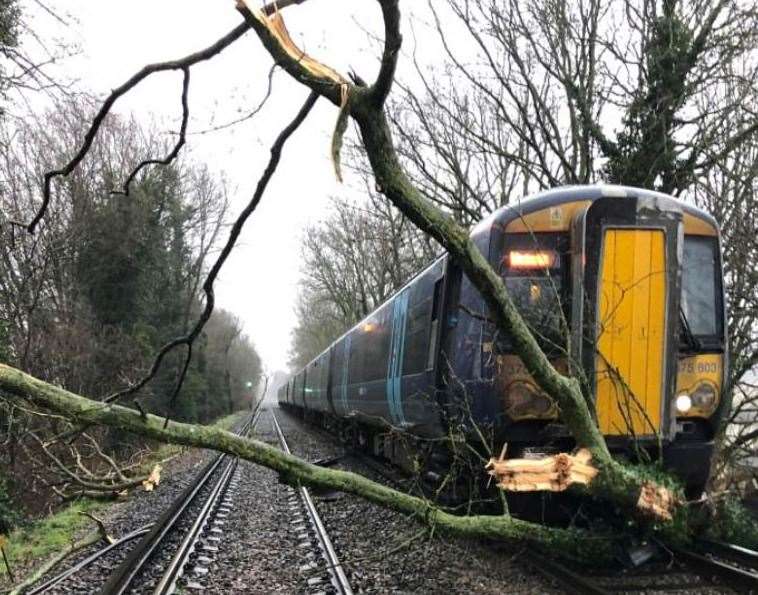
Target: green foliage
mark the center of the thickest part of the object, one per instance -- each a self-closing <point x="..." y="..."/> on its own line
<point x="51" y="534"/>
<point x="646" y="154"/>
<point x="5" y="351"/>
<point x="10" y="15"/>
<point x="9" y="512"/>
<point x="9" y="21"/>
<point x="135" y="264"/>
<point x="733" y="523"/>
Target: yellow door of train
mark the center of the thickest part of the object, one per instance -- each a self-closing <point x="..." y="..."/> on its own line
<point x="631" y="332"/>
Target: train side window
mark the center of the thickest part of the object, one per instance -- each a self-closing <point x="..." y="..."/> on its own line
<point x="700" y="291"/>
<point x="370" y="347"/>
<point x="416" y="336"/>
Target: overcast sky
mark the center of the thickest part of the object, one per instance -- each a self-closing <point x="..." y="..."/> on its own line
<point x="259" y="282"/>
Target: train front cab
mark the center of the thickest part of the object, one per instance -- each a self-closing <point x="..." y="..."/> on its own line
<point x="634" y="279"/>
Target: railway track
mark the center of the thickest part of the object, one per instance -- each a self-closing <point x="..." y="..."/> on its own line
<point x="188" y="533"/>
<point x="708" y="565"/>
<point x="713" y="565"/>
<point x="91" y="559"/>
<point x="328" y="576"/>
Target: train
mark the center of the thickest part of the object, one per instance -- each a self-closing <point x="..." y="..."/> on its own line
<point x="621" y="286"/>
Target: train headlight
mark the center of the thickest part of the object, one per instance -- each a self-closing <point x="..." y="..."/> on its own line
<point x="704" y="396"/>
<point x="683" y="403"/>
<point x="524" y="400"/>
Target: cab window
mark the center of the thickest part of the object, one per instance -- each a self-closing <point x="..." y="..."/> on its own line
<point x="701" y="303"/>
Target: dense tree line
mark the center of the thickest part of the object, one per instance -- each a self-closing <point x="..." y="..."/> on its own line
<point x="88" y="300"/>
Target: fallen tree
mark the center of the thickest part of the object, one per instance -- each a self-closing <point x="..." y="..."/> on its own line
<point x="291" y="469"/>
<point x="636" y="492"/>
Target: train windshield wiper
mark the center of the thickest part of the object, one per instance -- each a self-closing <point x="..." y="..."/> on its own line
<point x="686" y="330"/>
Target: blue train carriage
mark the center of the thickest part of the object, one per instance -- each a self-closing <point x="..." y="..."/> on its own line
<point x="622" y="287"/>
<point x="382" y="373"/>
<point x="284" y="394"/>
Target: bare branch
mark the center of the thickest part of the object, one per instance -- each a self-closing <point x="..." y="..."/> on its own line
<point x="392" y="42"/>
<point x="180" y="64"/>
<point x="177" y="147"/>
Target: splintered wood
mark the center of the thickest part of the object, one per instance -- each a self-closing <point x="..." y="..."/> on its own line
<point x="656" y="501"/>
<point x="153" y="479"/>
<point x="554" y="473"/>
<point x="275" y="24"/>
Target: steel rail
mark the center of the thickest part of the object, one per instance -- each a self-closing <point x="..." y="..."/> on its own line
<point x="82" y="564"/>
<point x="175" y="568"/>
<point x="122" y="578"/>
<point x="732" y="575"/>
<point x="735" y="553"/>
<point x="334" y="566"/>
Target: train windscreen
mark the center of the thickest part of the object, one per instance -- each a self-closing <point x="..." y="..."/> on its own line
<point x="701" y="303"/>
<point x="535" y="277"/>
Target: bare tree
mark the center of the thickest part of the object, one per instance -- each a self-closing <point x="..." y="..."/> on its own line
<point x="352" y="262"/>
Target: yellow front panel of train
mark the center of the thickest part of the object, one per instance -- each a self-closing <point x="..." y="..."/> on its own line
<point x="631" y="332"/>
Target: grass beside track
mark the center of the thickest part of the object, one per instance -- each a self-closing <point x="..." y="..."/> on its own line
<point x="39" y="539"/>
<point x="51" y="534"/>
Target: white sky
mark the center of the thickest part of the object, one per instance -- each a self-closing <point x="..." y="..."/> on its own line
<point x="259" y="282"/>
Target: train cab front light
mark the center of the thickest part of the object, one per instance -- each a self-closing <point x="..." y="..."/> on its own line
<point x="704" y="396"/>
<point x="532" y="259"/>
<point x="683" y="403"/>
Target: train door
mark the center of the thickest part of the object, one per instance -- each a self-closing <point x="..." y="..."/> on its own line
<point x="628" y="297"/>
<point x="340" y="378"/>
<point x="417" y="365"/>
<point x="630" y="332"/>
<point x="395" y="363"/>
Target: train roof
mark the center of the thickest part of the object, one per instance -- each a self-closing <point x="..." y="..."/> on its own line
<point x="557" y="196"/>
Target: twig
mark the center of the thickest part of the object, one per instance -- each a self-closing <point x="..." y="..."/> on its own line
<point x="247" y="116"/>
<point x="7" y="565"/>
<point x="97" y="121"/>
<point x="177" y="147"/>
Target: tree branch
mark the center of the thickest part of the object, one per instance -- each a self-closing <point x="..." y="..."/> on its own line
<point x="392" y="42"/>
<point x="271" y="30"/>
<point x="179" y="64"/>
<point x="614" y="481"/>
<point x="177" y="147"/>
